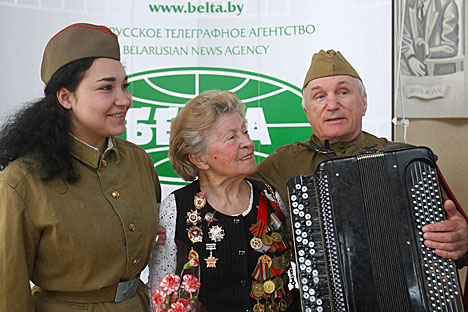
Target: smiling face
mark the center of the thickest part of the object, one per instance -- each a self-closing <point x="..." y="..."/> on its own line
<point x="230" y="152"/>
<point x="335" y="107"/>
<point x="99" y="104"/>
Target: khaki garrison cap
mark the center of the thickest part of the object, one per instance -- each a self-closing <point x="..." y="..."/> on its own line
<point x="330" y="63"/>
<point x="75" y="42"/>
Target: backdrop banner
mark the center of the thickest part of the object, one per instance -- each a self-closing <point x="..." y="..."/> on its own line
<point x="173" y="50"/>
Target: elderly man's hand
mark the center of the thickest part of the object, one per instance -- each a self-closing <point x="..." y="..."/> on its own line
<point x="449" y="238"/>
<point x="160" y="236"/>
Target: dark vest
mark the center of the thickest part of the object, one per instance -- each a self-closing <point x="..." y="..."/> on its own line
<point x="227" y="287"/>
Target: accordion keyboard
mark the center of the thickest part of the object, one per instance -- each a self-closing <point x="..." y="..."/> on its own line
<point x="309" y="247"/>
<point x="440" y="277"/>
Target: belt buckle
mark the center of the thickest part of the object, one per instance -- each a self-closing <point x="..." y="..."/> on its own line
<point x="126" y="290"/>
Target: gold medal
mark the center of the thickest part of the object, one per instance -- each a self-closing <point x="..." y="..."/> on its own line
<point x="200" y="200"/>
<point x="265" y="259"/>
<point x="276" y="237"/>
<point x="257" y="289"/>
<point x="258" y="307"/>
<point x="269" y="287"/>
<point x="283" y="305"/>
<point x="276" y="263"/>
<point x="266" y="239"/>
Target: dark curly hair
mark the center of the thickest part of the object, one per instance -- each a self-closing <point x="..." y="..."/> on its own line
<point x="41" y="128"/>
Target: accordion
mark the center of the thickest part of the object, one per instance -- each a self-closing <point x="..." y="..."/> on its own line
<point x="357" y="229"/>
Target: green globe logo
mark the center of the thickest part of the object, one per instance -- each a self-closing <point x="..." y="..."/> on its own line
<point x="273" y="109"/>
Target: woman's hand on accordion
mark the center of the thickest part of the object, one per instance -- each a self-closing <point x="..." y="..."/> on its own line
<point x="448" y="238"/>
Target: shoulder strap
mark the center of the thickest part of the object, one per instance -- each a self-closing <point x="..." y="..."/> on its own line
<point x="321" y="150"/>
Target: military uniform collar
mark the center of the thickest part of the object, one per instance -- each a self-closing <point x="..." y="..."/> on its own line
<point x="354" y="146"/>
<point x="91" y="155"/>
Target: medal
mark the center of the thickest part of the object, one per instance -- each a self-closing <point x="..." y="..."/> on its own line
<point x="276" y="263"/>
<point x="257" y="245"/>
<point x="266" y="239"/>
<point x="257" y="290"/>
<point x="276" y="237"/>
<point x="276" y="266"/>
<point x="273" y="306"/>
<point x="209" y="217"/>
<point x="269" y="287"/>
<point x="200" y="200"/>
<point x="258" y="307"/>
<point x="278" y="283"/>
<point x="265" y="259"/>
<point x="195" y="234"/>
<point x="193" y="217"/>
<point x="211" y="261"/>
<point x="216" y="233"/>
<point x="262" y="271"/>
<point x="193" y="255"/>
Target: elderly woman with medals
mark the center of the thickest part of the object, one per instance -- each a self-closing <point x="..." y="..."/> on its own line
<point x="235" y="228"/>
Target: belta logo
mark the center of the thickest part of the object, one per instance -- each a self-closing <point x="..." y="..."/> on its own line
<point x="273" y="109"/>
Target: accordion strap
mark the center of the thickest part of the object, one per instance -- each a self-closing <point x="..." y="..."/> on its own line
<point x="449" y="193"/>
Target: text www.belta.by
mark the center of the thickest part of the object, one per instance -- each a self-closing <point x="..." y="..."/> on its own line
<point x="191" y="8"/>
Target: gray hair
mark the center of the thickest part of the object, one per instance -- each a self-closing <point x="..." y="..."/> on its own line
<point x="362" y="90"/>
<point x="190" y="127"/>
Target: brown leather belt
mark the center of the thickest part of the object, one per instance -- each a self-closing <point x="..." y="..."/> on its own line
<point x="115" y="293"/>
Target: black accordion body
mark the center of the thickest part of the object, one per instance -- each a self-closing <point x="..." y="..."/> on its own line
<point x="357" y="235"/>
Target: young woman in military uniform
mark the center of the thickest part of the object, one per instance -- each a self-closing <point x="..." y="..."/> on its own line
<point x="78" y="206"/>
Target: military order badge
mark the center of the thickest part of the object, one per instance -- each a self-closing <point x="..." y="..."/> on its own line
<point x="200" y="200"/>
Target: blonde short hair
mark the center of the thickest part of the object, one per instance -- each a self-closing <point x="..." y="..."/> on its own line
<point x="190" y="127"/>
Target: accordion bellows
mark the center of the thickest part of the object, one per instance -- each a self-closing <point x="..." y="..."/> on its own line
<point x="358" y="240"/>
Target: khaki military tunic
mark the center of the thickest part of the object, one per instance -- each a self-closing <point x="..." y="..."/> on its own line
<point x="293" y="160"/>
<point x="77" y="241"/>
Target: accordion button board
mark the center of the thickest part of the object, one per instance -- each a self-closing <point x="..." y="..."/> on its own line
<point x="358" y="240"/>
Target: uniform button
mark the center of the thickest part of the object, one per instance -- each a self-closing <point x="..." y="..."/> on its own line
<point x="248" y="310"/>
<point x="103" y="163"/>
<point x="236" y="220"/>
<point x="243" y="283"/>
<point x="241" y="252"/>
<point x="131" y="227"/>
<point x="135" y="262"/>
<point x="115" y="194"/>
